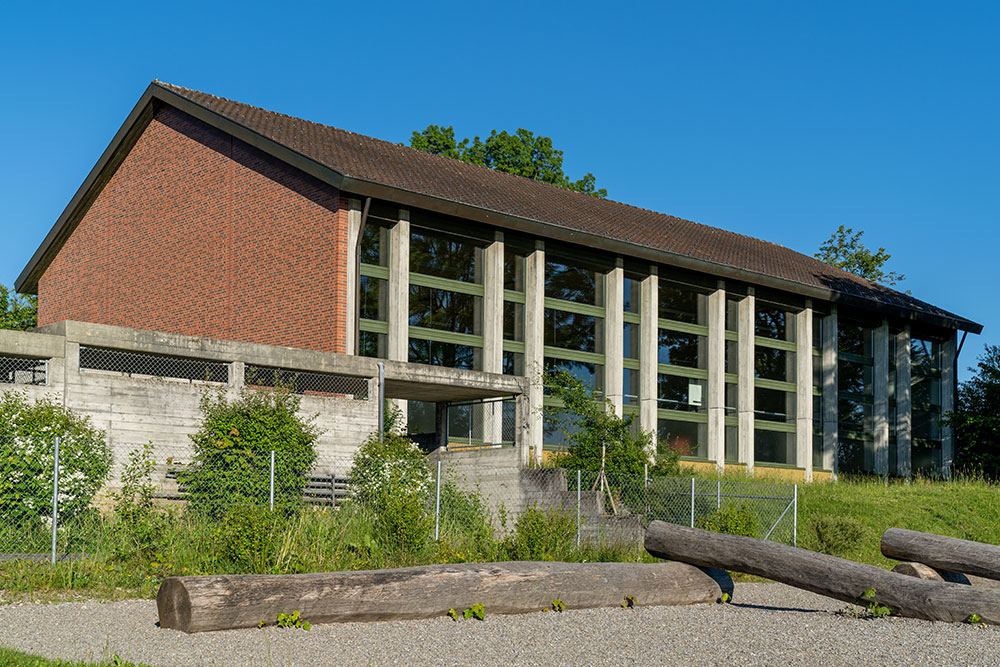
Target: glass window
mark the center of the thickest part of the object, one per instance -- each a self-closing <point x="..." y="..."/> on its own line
<point x="591" y="375"/>
<point x="732" y="356"/>
<point x="573" y="283"/>
<point x="855" y="378"/>
<point x="573" y="331"/>
<point x="855" y="455"/>
<point x="732" y="399"/>
<point x="817" y="330"/>
<point x="557" y="428"/>
<point x="732" y="313"/>
<point x="631" y="288"/>
<point x="732" y="445"/>
<point x="513" y="320"/>
<point x="443" y="310"/>
<point x="774" y="447"/>
<point x="926" y="458"/>
<point x="375" y="245"/>
<point x="773" y="405"/>
<point x="513" y="363"/>
<point x="680" y="393"/>
<point x="630" y="387"/>
<point x="630" y="341"/>
<point x="773" y="322"/>
<point x="513" y="270"/>
<point x="926" y="390"/>
<point x="452" y="257"/>
<point x="925" y="355"/>
<point x="683" y="438"/>
<point x="421" y="417"/>
<point x="774" y="364"/>
<point x="444" y="354"/>
<point x="372" y="344"/>
<point x="855" y="415"/>
<point x="373" y="296"/>
<point x="682" y="303"/>
<point x="854" y="339"/>
<point x="682" y="349"/>
<point x="926" y="424"/>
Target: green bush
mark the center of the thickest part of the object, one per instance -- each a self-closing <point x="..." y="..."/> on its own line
<point x="232" y="450"/>
<point x="139" y="524"/>
<point x="27" y="435"/>
<point x="738" y="519"/>
<point x="390" y="478"/>
<point x="542" y="534"/>
<point x="834" y="535"/>
<point x="250" y="538"/>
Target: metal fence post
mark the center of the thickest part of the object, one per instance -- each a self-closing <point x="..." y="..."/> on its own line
<point x="55" y="498"/>
<point x="437" y="504"/>
<point x="578" y="509"/>
<point x="270" y="496"/>
<point x="795" y="515"/>
<point x="692" y="502"/>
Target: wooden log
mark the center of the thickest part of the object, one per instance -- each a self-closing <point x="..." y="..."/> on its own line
<point x="826" y="575"/>
<point x="196" y="604"/>
<point x="922" y="571"/>
<point x="942" y="553"/>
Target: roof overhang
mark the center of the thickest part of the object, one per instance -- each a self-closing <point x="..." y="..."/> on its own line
<point x="142" y="113"/>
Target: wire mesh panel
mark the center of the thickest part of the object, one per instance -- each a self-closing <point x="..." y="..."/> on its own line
<point x="143" y="364"/>
<point x="485" y="423"/>
<point x="307" y="382"/>
<point x="23" y="370"/>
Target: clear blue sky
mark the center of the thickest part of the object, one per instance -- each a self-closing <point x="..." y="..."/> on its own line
<point x="778" y="120"/>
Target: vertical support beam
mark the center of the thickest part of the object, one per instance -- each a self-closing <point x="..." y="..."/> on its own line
<point x="745" y="387"/>
<point x="614" y="325"/>
<point x="717" y="377"/>
<point x="880" y="411"/>
<point x="492" y="331"/>
<point x="353" y="231"/>
<point x="804" y="390"/>
<point x="399" y="294"/>
<point x="831" y="435"/>
<point x="237" y="375"/>
<point x="948" y="402"/>
<point x="649" y="340"/>
<point x="534" y="343"/>
<point x="522" y="436"/>
<point x="904" y="404"/>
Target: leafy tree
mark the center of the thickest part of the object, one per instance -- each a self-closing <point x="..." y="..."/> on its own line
<point x="17" y="311"/>
<point x="845" y="250"/>
<point x="977" y="420"/>
<point x="521" y="154"/>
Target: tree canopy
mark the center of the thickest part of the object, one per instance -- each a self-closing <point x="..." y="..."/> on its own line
<point x="17" y="311"/>
<point x="845" y="250"/>
<point x="977" y="420"/>
<point x="521" y="154"/>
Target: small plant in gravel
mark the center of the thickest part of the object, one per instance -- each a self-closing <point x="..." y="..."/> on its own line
<point x="629" y="602"/>
<point x="293" y="620"/>
<point x="974" y="619"/>
<point x="557" y="605"/>
<point x="453" y="614"/>
<point x="872" y="610"/>
<point x="476" y="611"/>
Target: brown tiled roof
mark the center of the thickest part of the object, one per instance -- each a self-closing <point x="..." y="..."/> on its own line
<point x="376" y="161"/>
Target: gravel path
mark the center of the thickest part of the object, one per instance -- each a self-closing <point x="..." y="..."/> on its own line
<point x="767" y="624"/>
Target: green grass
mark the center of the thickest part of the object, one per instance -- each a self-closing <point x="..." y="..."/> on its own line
<point x="12" y="658"/>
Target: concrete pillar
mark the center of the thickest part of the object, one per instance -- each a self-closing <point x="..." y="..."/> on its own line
<point x="717" y="377"/>
<point x="948" y="348"/>
<point x="649" y="341"/>
<point x="904" y="404"/>
<point x="614" y="325"/>
<point x="534" y="343"/>
<point x="399" y="295"/>
<point x="237" y="374"/>
<point x="880" y="411"/>
<point x="831" y="435"/>
<point x="745" y="369"/>
<point x="522" y="436"/>
<point x="804" y="390"/>
<point x="492" y="331"/>
<point x="353" y="239"/>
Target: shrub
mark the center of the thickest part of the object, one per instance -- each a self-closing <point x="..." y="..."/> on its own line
<point x="739" y="519"/>
<point x="542" y="534"/>
<point x="390" y="479"/>
<point x="250" y="538"/>
<point x="140" y="526"/>
<point x="232" y="450"/>
<point x="834" y="535"/>
<point x="27" y="453"/>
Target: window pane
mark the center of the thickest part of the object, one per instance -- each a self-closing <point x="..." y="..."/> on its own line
<point x="855" y="456"/>
<point x="682" y="349"/>
<point x="421" y="417"/>
<point x="572" y="283"/>
<point x="513" y="270"/>
<point x="774" y="447"/>
<point x="556" y="427"/>
<point x="925" y="355"/>
<point x="372" y="344"/>
<point x="444" y="354"/>
<point x="732" y="313"/>
<point x="774" y="323"/>
<point x="732" y="356"/>
<point x="572" y="331"/>
<point x="926" y="425"/>
<point x="927" y="458"/>
<point x="772" y="405"/>
<point x="445" y="256"/>
<point x="679" y="393"/>
<point x="926" y="390"/>
<point x="684" y="438"/>
<point x="630" y="341"/>
<point x="854" y="339"/>
<point x="591" y="375"/>
<point x="732" y="399"/>
<point x="774" y="364"/>
<point x="682" y="303"/>
<point x="447" y="311"/>
<point x="817" y="331"/>
<point x="375" y="245"/>
<point x="855" y="415"/>
<point x="854" y="377"/>
<point x="630" y="387"/>
<point x="374" y="298"/>
<point x="732" y="445"/>
<point x="631" y="289"/>
<point x="513" y="363"/>
<point x="513" y="320"/>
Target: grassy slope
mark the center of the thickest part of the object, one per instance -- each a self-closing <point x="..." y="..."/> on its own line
<point x="968" y="509"/>
<point x="18" y="659"/>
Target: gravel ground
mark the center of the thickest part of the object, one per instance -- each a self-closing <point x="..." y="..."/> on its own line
<point x="767" y="624"/>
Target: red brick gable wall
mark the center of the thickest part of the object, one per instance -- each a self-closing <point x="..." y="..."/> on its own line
<point x="199" y="233"/>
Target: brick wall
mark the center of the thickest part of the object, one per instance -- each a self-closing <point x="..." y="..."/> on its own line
<point x="199" y="233"/>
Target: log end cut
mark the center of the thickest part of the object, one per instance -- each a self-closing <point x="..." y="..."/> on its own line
<point x="173" y="602"/>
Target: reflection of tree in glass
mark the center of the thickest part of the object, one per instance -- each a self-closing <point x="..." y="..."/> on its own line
<point x="571" y="331"/>
<point x="373" y="245"/>
<point x="443" y="310"/>
<point x="854" y="339"/>
<point x="571" y="283"/>
<point x="923" y="355"/>
<point x="678" y="349"/>
<point x="771" y="364"/>
<point x="442" y="354"/>
<point x="771" y="323"/>
<point x="442" y="256"/>
<point x="854" y="378"/>
<point x="679" y="303"/>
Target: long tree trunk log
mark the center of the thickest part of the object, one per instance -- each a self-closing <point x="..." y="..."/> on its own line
<point x="826" y="575"/>
<point x="942" y="553"/>
<point x="922" y="571"/>
<point x="196" y="604"/>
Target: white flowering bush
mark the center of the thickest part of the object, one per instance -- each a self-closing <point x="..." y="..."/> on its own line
<point x="27" y="436"/>
<point x="391" y="480"/>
